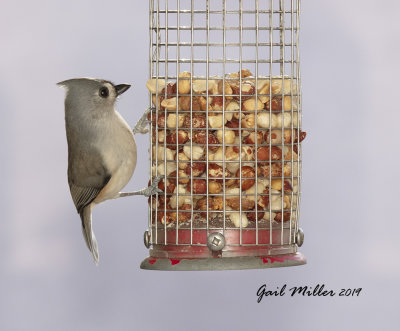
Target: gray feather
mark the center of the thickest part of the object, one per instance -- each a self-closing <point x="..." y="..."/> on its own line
<point x="83" y="196"/>
<point x="88" y="234"/>
<point x="87" y="176"/>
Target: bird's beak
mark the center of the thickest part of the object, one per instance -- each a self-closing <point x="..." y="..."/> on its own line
<point x="121" y="88"/>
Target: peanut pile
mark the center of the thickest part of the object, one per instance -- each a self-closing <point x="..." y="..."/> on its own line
<point x="225" y="145"/>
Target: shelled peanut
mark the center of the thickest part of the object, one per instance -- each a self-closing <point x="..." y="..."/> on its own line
<point x="226" y="145"/>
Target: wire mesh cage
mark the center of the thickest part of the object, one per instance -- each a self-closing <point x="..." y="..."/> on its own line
<point x="225" y="134"/>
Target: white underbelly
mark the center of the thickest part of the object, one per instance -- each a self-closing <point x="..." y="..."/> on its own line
<point x="121" y="163"/>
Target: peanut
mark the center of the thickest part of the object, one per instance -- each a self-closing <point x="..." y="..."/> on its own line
<point x="155" y="85"/>
<point x="226" y="136"/>
<point x="184" y="82"/>
<point x="172" y="121"/>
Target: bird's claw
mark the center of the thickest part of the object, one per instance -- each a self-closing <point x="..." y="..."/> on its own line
<point x="142" y="125"/>
<point x="153" y="188"/>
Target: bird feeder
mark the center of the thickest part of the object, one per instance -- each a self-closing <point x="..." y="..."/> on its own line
<point x="225" y="133"/>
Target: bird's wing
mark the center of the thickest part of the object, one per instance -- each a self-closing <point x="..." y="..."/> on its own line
<point x="87" y="176"/>
<point x="83" y="196"/>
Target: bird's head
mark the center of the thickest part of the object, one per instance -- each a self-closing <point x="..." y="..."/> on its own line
<point x="90" y="93"/>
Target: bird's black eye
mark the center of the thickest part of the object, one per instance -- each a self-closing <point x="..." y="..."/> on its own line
<point x="104" y="92"/>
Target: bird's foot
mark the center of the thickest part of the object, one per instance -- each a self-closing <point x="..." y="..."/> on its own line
<point x="141" y="125"/>
<point x="153" y="188"/>
<point x="147" y="192"/>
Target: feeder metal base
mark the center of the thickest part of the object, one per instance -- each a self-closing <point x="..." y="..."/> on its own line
<point x="224" y="263"/>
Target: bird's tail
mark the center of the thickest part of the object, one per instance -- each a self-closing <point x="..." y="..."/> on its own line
<point x="88" y="234"/>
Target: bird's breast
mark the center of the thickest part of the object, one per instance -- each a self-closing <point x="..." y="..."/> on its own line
<point x="119" y="154"/>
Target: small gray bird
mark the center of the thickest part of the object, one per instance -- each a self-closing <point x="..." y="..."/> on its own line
<point x="101" y="148"/>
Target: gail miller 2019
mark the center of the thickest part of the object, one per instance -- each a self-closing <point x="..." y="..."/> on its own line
<point x="306" y="291"/>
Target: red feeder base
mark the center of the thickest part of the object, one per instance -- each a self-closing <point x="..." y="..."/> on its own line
<point x="245" y="249"/>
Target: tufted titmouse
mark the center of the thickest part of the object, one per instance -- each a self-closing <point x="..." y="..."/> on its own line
<point x="101" y="148"/>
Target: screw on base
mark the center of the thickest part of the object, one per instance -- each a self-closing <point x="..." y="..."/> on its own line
<point x="216" y="241"/>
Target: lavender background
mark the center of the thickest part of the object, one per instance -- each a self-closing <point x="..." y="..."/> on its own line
<point x="350" y="77"/>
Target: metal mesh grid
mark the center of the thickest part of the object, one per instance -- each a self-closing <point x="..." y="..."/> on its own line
<point x="212" y="40"/>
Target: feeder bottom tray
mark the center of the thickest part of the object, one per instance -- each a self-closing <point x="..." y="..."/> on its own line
<point x="241" y="252"/>
<point x="224" y="263"/>
<point x="185" y="245"/>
